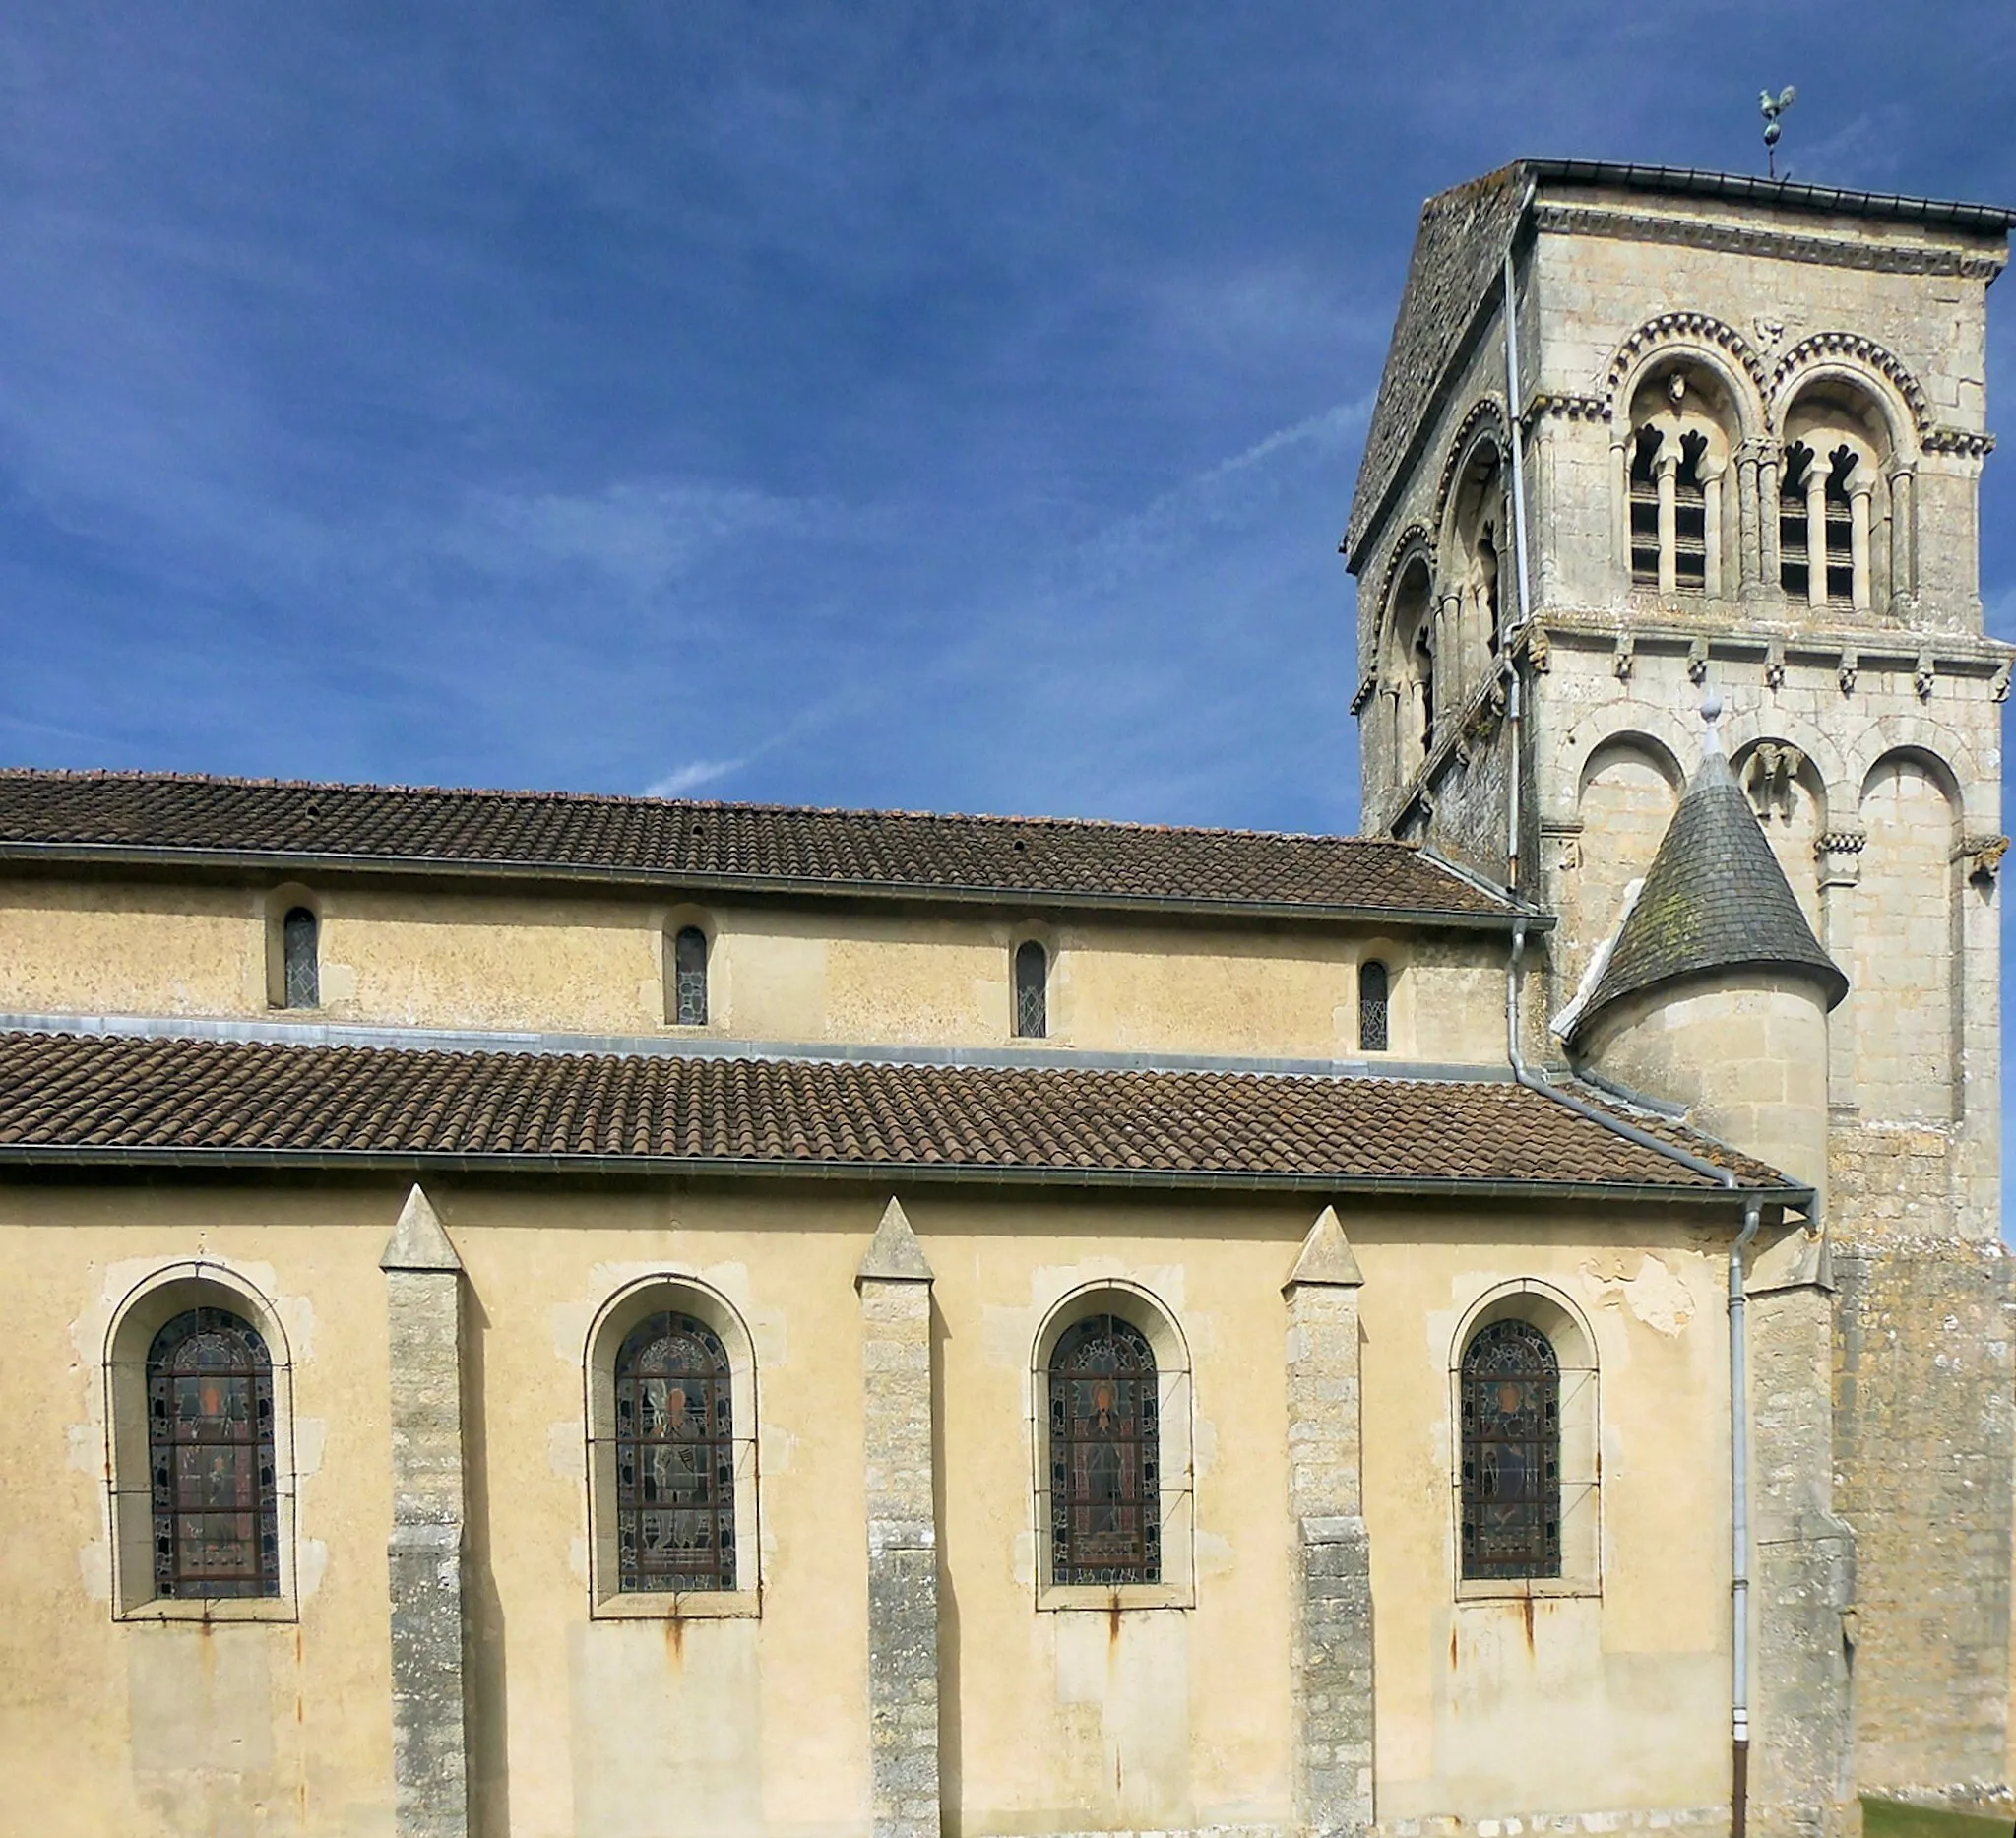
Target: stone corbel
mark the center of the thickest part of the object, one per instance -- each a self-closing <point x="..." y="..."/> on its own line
<point x="1922" y="676"/>
<point x="1999" y="684"/>
<point x="1624" y="657"/>
<point x="1984" y="858"/>
<point x="1697" y="661"/>
<point x="1540" y="649"/>
<point x="1846" y="670"/>
<point x="1774" y="667"/>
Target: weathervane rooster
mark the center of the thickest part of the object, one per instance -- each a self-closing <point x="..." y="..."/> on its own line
<point x="1773" y="107"/>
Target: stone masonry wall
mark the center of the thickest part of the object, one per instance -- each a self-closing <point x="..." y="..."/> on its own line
<point x="1923" y="1437"/>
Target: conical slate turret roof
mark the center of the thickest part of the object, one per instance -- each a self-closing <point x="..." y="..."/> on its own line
<point x="1715" y="900"/>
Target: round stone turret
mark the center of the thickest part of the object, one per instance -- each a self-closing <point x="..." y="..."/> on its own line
<point x="1715" y="994"/>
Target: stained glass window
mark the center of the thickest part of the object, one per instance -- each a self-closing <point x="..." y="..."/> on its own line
<point x="689" y="968"/>
<point x="299" y="951"/>
<point x="210" y="1458"/>
<point x="1511" y="1453"/>
<point x="675" y="1458"/>
<point x="1373" y="1008"/>
<point x="1105" y="1470"/>
<point x="1032" y="979"/>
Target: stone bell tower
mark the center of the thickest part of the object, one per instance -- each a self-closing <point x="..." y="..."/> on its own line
<point x="1644" y="432"/>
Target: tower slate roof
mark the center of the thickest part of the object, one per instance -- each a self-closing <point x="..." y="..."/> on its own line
<point x="1714" y="900"/>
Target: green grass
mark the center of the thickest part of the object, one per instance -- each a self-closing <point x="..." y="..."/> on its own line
<point x="1892" y="1818"/>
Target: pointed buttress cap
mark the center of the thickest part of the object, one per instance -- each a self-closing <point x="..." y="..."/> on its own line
<point x="418" y="1241"/>
<point x="1327" y="1258"/>
<point x="895" y="1256"/>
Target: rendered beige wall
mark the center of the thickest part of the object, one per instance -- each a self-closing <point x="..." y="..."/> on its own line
<point x="1166" y="1719"/>
<point x="445" y="960"/>
<point x="147" y="1728"/>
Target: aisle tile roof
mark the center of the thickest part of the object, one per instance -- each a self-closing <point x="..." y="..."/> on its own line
<point x="713" y="845"/>
<point x="157" y="1097"/>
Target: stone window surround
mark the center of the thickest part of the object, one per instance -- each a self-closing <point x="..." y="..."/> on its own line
<point x="680" y="1293"/>
<point x="1055" y="1012"/>
<point x="1176" y="1487"/>
<point x="279" y="902"/>
<point x="154" y="1302"/>
<point x="1400" y="1042"/>
<point x="675" y="921"/>
<point x="1526" y="1299"/>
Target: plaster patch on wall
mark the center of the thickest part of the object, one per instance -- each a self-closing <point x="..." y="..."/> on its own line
<point x="88" y="1449"/>
<point x="577" y="1557"/>
<point x="632" y="1682"/>
<point x="564" y="1448"/>
<point x="94" y="1568"/>
<point x="1654" y="1293"/>
<point x="311" y="1566"/>
<point x="1214" y="1554"/>
<point x="311" y="1436"/>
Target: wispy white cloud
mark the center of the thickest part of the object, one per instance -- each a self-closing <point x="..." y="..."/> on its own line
<point x="692" y="775"/>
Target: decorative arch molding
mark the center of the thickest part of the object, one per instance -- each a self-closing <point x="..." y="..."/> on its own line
<point x="1930" y="743"/>
<point x="1935" y="765"/>
<point x="1632" y="719"/>
<point x="1486" y="415"/>
<point x="1414" y="544"/>
<point x="1856" y="359"/>
<point x="1743" y="729"/>
<point x="1656" y="753"/>
<point x="1697" y="334"/>
<point x="1416" y="539"/>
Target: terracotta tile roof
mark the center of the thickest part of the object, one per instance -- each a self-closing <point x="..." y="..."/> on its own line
<point x="257" y="1102"/>
<point x="705" y="844"/>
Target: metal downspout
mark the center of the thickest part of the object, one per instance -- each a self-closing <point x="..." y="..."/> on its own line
<point x="1514" y="711"/>
<point x="1739" y="1526"/>
<point x="1739" y="1383"/>
<point x="1739" y="1350"/>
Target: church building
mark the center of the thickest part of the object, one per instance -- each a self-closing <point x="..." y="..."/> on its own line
<point x="536" y="1315"/>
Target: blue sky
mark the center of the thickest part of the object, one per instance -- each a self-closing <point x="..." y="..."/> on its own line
<point x="922" y="406"/>
<point x="930" y="406"/>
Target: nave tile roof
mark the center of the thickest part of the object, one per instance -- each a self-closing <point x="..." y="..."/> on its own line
<point x="67" y="1097"/>
<point x="712" y="844"/>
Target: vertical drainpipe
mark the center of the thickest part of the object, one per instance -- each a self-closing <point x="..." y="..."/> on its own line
<point x="1739" y="1528"/>
<point x="1515" y="436"/>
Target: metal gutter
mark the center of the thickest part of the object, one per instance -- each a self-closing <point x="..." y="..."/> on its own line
<point x="299" y="864"/>
<point x="416" y="1163"/>
<point x="1691" y="182"/>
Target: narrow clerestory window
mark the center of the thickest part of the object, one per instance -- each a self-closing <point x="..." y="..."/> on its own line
<point x="300" y="955"/>
<point x="1031" y="990"/>
<point x="689" y="977"/>
<point x="1374" y="987"/>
